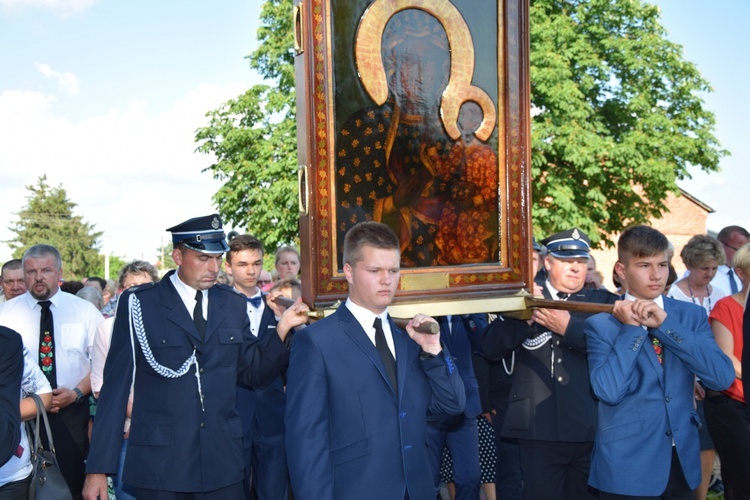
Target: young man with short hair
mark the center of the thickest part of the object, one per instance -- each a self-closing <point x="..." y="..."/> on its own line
<point x="642" y="360"/>
<point x="359" y="388"/>
<point x="261" y="409"/>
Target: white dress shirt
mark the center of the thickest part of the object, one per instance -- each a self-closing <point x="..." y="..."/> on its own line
<point x="366" y="319"/>
<point x="255" y="314"/>
<point x="75" y="323"/>
<point x="187" y="294"/>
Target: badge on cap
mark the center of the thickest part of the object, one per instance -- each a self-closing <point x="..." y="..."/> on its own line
<point x="202" y="234"/>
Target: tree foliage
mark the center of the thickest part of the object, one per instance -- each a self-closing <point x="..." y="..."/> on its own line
<point x="254" y="139"/>
<point x="618" y="119"/>
<point x="48" y="218"/>
<point x="619" y="115"/>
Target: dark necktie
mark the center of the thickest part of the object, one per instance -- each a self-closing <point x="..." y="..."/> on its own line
<point x="198" y="319"/>
<point x="563" y="295"/>
<point x="732" y="283"/>
<point x="385" y="353"/>
<point x="254" y="301"/>
<point x="47" y="343"/>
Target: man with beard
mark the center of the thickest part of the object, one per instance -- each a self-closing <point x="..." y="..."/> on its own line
<point x="58" y="329"/>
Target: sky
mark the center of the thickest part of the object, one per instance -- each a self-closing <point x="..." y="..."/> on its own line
<point x="104" y="97"/>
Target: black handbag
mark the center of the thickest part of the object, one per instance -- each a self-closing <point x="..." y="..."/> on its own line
<point x="47" y="482"/>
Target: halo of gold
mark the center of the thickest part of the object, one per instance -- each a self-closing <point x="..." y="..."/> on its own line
<point x="371" y="70"/>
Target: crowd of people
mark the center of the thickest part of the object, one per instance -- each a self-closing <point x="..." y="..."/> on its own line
<point x="203" y="384"/>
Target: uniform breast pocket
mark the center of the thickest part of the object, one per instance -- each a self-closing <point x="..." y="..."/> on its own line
<point x="230" y="339"/>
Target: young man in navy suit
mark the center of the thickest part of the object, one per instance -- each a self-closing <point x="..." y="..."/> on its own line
<point x="643" y="359"/>
<point x="359" y="388"/>
<point x="261" y="409"/>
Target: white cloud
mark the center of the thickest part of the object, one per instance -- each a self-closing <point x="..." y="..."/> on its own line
<point x="62" y="7"/>
<point x="67" y="81"/>
<point x="132" y="173"/>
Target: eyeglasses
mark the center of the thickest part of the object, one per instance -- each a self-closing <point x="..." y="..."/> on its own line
<point x="263" y="282"/>
<point x="728" y="245"/>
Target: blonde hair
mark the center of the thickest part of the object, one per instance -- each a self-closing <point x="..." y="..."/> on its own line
<point x="741" y="259"/>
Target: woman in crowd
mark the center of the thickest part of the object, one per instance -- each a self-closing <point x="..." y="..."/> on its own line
<point x="287" y="263"/>
<point x="702" y="256"/>
<point x="725" y="411"/>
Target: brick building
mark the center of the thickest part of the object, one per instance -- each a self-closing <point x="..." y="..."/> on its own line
<point x="686" y="217"/>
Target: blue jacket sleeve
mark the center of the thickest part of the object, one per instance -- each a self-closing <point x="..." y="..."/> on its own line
<point x="612" y="352"/>
<point x="690" y="338"/>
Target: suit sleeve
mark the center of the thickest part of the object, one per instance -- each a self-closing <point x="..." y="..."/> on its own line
<point x="448" y="391"/>
<point x="261" y="361"/>
<point x="11" y="372"/>
<point x="612" y="352"/>
<point x="306" y="420"/>
<point x="693" y="342"/>
<point x="106" y="437"/>
<point x="503" y="336"/>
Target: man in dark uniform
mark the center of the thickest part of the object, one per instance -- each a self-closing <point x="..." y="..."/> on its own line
<point x="11" y="370"/>
<point x="552" y="411"/>
<point x="192" y="345"/>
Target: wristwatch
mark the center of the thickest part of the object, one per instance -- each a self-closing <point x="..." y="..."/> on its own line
<point x="79" y="394"/>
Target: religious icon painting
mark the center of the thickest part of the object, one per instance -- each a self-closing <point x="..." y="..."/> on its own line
<point x="414" y="113"/>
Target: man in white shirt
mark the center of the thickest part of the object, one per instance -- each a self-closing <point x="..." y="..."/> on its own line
<point x="731" y="238"/>
<point x="62" y="351"/>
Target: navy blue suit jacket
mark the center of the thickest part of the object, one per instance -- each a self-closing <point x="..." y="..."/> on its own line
<point x="348" y="434"/>
<point x="264" y="404"/>
<point x="462" y="341"/>
<point x="644" y="406"/>
<point x="175" y="445"/>
<point x="11" y="371"/>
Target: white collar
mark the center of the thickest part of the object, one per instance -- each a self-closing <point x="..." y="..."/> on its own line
<point x="659" y="300"/>
<point x="364" y="316"/>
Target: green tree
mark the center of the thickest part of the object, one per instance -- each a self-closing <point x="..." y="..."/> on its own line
<point x="254" y="139"/>
<point x="618" y="119"/>
<point x="48" y="218"/>
<point x="115" y="264"/>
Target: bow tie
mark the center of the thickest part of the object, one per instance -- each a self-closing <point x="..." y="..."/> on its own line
<point x="563" y="295"/>
<point x="254" y="301"/>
